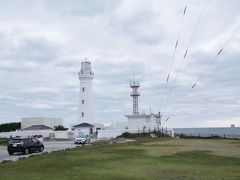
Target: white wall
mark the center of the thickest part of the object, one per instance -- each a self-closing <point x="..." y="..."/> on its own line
<point x="108" y="126"/>
<point x="45" y="134"/>
<point x="109" y="133"/>
<point x="139" y="122"/>
<point x="61" y="134"/>
<point x="142" y="120"/>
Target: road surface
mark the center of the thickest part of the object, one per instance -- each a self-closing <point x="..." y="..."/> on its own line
<point x="49" y="146"/>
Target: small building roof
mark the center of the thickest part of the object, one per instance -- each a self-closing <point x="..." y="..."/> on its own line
<point x="84" y="125"/>
<point x="37" y="127"/>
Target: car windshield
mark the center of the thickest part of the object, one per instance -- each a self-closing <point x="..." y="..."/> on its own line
<point x="16" y="141"/>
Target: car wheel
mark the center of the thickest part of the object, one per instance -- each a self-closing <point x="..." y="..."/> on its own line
<point x="26" y="151"/>
<point x="41" y="149"/>
<point x="10" y="153"/>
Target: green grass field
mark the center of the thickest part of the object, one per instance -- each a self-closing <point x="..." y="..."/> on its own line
<point x="143" y="159"/>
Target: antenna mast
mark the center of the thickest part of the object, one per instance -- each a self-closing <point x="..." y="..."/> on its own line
<point x="135" y="85"/>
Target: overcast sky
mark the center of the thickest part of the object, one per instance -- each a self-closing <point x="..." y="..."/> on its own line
<point x="43" y="42"/>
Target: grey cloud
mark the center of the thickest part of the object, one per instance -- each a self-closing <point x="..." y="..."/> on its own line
<point x="36" y="50"/>
<point x="43" y="42"/>
<point x="28" y="54"/>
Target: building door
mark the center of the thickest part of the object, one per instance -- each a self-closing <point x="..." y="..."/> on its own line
<point x="91" y="131"/>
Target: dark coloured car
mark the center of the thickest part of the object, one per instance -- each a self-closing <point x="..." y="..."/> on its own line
<point x="25" y="145"/>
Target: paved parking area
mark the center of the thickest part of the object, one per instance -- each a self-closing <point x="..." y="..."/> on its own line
<point x="49" y="147"/>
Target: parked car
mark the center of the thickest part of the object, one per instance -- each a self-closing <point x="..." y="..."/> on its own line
<point x="38" y="137"/>
<point x="82" y="139"/>
<point x="25" y="145"/>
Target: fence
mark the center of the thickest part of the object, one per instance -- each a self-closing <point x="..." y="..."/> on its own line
<point x="115" y="133"/>
<point x="45" y="134"/>
<point x="73" y="134"/>
<point x="227" y="132"/>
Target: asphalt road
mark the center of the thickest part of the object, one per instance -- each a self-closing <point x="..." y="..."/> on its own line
<point x="48" y="147"/>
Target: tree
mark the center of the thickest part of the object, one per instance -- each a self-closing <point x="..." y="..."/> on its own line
<point x="10" y="126"/>
<point x="60" y="128"/>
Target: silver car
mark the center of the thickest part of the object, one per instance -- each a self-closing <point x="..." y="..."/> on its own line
<point x="82" y="139"/>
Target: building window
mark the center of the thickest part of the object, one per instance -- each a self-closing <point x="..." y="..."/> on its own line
<point x="82" y="114"/>
<point x="83" y="101"/>
<point x="83" y="89"/>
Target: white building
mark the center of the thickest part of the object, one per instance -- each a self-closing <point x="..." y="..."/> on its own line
<point x="27" y="122"/>
<point x="85" y="128"/>
<point x="136" y="121"/>
<point x="143" y="122"/>
<point x="86" y="107"/>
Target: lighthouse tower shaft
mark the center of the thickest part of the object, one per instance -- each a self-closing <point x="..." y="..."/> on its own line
<point x="135" y="85"/>
<point x="86" y="104"/>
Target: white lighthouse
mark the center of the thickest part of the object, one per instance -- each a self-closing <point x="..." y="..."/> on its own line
<point x="86" y="107"/>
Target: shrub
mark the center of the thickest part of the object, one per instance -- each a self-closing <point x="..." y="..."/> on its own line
<point x="4" y="141"/>
<point x="10" y="126"/>
<point x="199" y="137"/>
<point x="60" y="128"/>
<point x="133" y="135"/>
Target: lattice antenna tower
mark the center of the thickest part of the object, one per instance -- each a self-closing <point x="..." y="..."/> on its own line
<point x="135" y="85"/>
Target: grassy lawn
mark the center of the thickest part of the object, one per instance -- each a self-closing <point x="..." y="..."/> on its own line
<point x="142" y="159"/>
